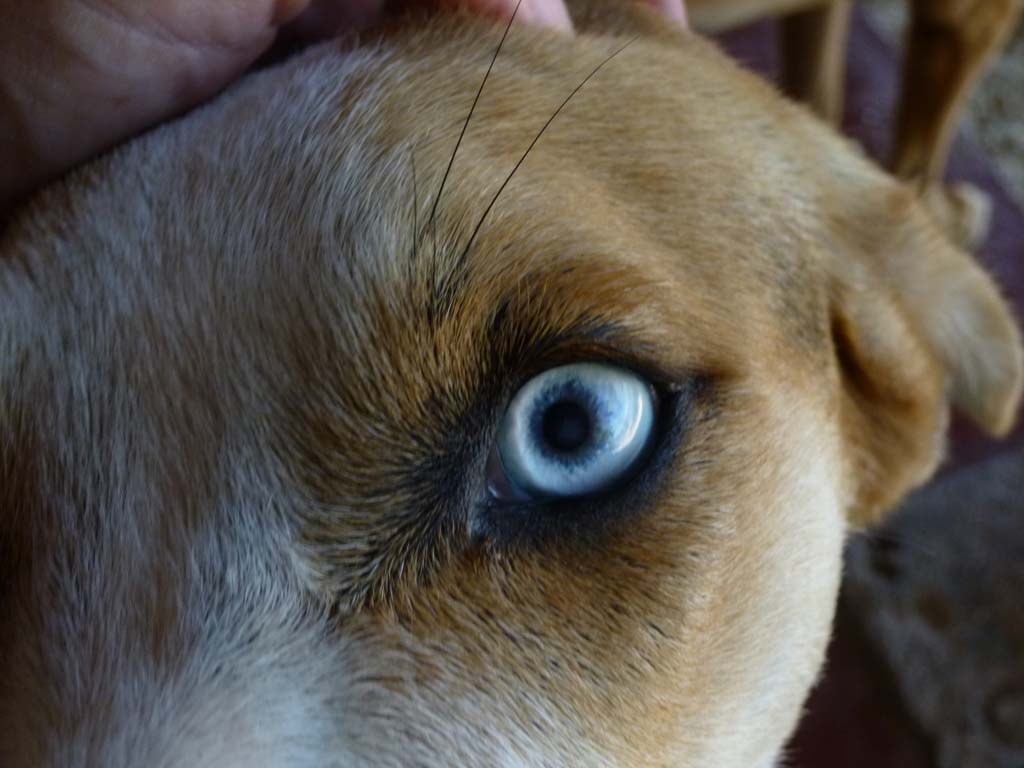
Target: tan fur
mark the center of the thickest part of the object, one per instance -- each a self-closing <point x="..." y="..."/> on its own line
<point x="246" y="405"/>
<point x="949" y="45"/>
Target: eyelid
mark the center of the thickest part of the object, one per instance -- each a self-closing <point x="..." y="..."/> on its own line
<point x="626" y="351"/>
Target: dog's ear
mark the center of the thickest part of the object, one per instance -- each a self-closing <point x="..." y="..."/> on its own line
<point x="917" y="326"/>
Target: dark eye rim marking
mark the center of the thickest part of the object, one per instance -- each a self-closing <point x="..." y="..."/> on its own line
<point x="584" y="521"/>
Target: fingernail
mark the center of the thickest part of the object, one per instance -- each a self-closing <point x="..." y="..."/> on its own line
<point x="546" y="13"/>
<point x="286" y="10"/>
<point x="672" y="9"/>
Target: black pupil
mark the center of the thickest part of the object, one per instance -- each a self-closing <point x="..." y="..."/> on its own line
<point x="566" y="426"/>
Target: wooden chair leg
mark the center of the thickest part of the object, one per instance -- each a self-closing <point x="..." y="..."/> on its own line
<point x="813" y="51"/>
<point x="949" y="45"/>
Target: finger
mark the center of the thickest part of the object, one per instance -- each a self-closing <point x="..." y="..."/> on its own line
<point x="673" y="9"/>
<point x="326" y="18"/>
<point x="113" y="69"/>
<point x="545" y="13"/>
<point x="119" y="67"/>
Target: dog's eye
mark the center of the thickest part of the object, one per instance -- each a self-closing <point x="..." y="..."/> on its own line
<point x="571" y="431"/>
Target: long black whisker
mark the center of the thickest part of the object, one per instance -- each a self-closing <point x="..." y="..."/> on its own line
<point x="415" y="206"/>
<point x="533" y="143"/>
<point x="465" y="125"/>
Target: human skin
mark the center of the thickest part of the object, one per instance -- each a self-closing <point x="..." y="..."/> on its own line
<point x="79" y="76"/>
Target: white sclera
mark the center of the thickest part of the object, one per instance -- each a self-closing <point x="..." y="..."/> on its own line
<point x="622" y="423"/>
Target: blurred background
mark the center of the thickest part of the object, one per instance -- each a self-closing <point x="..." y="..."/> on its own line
<point x="996" y="112"/>
<point x="926" y="667"/>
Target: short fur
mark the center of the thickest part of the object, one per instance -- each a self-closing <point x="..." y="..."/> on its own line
<point x="248" y="386"/>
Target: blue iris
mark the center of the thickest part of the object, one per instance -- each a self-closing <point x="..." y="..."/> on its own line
<point x="573" y="430"/>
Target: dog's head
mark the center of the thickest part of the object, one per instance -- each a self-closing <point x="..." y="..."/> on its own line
<point x="326" y="444"/>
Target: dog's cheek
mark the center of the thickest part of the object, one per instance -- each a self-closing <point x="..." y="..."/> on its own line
<point x="778" y="584"/>
<point x="708" y="612"/>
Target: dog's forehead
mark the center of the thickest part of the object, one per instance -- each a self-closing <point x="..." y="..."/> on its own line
<point x="343" y="203"/>
<point x="606" y="136"/>
<point x="323" y="229"/>
<point x="398" y="170"/>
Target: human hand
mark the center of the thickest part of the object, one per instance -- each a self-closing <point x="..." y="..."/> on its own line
<point x="79" y="76"/>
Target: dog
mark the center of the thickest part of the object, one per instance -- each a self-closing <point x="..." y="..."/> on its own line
<point x="949" y="45"/>
<point x="464" y="395"/>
